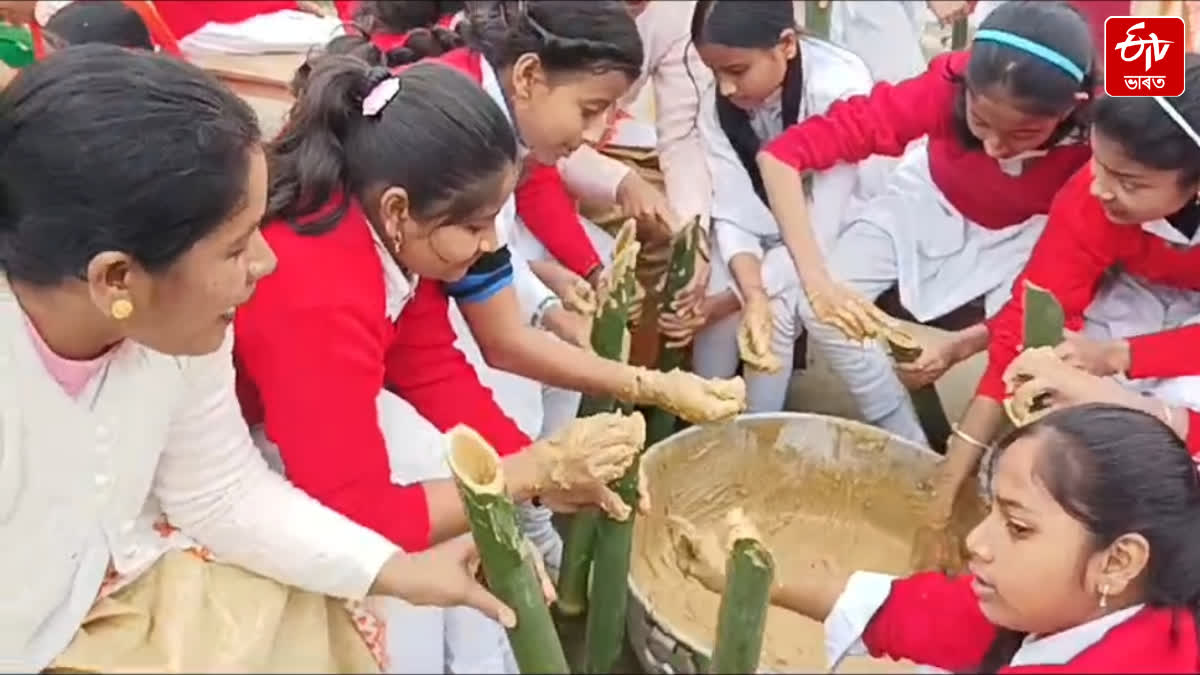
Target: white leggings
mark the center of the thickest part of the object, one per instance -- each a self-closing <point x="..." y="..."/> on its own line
<point x="715" y="352"/>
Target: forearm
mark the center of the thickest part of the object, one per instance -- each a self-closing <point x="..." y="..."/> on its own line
<point x="785" y="190"/>
<point x="746" y="270"/>
<point x="970" y="341"/>
<point x="538" y="355"/>
<point x="721" y="305"/>
<point x="810" y="594"/>
<point x="448" y="515"/>
<point x="981" y="423"/>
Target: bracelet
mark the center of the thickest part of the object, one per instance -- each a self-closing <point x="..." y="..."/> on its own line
<point x="970" y="440"/>
<point x="539" y="313"/>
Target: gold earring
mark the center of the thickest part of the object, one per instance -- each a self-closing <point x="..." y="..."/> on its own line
<point x="121" y="309"/>
<point x="1104" y="596"/>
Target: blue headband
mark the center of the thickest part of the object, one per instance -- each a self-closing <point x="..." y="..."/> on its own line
<point x="1029" y="46"/>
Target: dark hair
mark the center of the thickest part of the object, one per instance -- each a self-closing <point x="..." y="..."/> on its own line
<point x="1148" y="135"/>
<point x="401" y="17"/>
<point x="109" y="149"/>
<point x="750" y="24"/>
<point x="109" y="22"/>
<point x="440" y="137"/>
<point x="422" y="42"/>
<point x="1120" y="471"/>
<point x="568" y="36"/>
<point x="1041" y="87"/>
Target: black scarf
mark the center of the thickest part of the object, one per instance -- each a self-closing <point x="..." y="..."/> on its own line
<point x="736" y="123"/>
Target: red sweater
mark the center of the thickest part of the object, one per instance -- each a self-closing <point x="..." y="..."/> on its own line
<point x="185" y="17"/>
<point x="1078" y="246"/>
<point x="935" y="620"/>
<point x="886" y="120"/>
<point x="314" y="348"/>
<point x="543" y="202"/>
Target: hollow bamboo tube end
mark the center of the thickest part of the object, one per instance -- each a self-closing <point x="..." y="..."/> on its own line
<point x="474" y="461"/>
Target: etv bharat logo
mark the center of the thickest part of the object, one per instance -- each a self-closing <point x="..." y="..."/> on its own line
<point x="1151" y="55"/>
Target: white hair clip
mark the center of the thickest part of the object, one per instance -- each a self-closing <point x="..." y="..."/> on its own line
<point x="380" y="96"/>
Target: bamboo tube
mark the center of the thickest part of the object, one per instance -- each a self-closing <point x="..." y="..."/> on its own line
<point x="742" y="617"/>
<point x="926" y="401"/>
<point x="659" y="422"/>
<point x="613" y="546"/>
<point x="610" y="339"/>
<point x="510" y="571"/>
<point x="817" y="17"/>
<point x="1044" y="323"/>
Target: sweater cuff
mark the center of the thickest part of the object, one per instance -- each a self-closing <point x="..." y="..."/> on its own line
<point x="786" y="149"/>
<point x="1193" y="434"/>
<point x="1154" y="355"/>
<point x="864" y="595"/>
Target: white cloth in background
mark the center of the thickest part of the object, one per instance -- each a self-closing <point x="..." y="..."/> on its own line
<point x="285" y="31"/>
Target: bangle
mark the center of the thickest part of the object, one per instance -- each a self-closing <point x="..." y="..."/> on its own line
<point x="970" y="440"/>
<point x="539" y="313"/>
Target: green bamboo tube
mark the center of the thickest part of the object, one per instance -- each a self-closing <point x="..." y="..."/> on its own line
<point x="610" y="339"/>
<point x="742" y="617"/>
<point x="605" y="631"/>
<point x="817" y="15"/>
<point x="659" y="422"/>
<point x="958" y="35"/>
<point x="1044" y="323"/>
<point x="1044" y="319"/>
<point x="928" y="404"/>
<point x="509" y="570"/>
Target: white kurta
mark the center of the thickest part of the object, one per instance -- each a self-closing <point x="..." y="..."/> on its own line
<point x="886" y="34"/>
<point x="743" y="224"/>
<point x="1126" y="306"/>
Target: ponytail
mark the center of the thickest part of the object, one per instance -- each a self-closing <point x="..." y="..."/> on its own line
<point x="309" y="157"/>
<point x="438" y="135"/>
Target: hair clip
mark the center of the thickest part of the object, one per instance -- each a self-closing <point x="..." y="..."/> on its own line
<point x="381" y="95"/>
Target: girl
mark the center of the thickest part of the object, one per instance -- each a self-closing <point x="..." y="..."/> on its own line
<point x="1087" y="562"/>
<point x="382" y="181"/>
<point x="677" y="76"/>
<point x="557" y="68"/>
<point x="125" y="248"/>
<point x="766" y="79"/>
<point x="1121" y="255"/>
<point x="960" y="214"/>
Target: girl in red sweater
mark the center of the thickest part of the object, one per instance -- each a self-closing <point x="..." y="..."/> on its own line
<point x="1087" y="563"/>
<point x="1121" y="253"/>
<point x="960" y="214"/>
<point x="380" y="180"/>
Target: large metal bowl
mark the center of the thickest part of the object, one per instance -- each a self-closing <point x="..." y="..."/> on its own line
<point x="825" y="443"/>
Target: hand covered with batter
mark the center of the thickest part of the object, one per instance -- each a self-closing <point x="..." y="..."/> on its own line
<point x="575" y="465"/>
<point x="687" y="395"/>
<point x="754" y="335"/>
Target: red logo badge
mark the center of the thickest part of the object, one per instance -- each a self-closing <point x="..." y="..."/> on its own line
<point x="1144" y="55"/>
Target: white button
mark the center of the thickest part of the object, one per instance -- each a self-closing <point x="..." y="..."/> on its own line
<point x="103" y="448"/>
<point x="127" y="526"/>
<point x="102" y="479"/>
<point x="102" y="433"/>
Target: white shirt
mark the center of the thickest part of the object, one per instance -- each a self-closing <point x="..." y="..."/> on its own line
<point x="82" y="484"/>
<point x="742" y="223"/>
